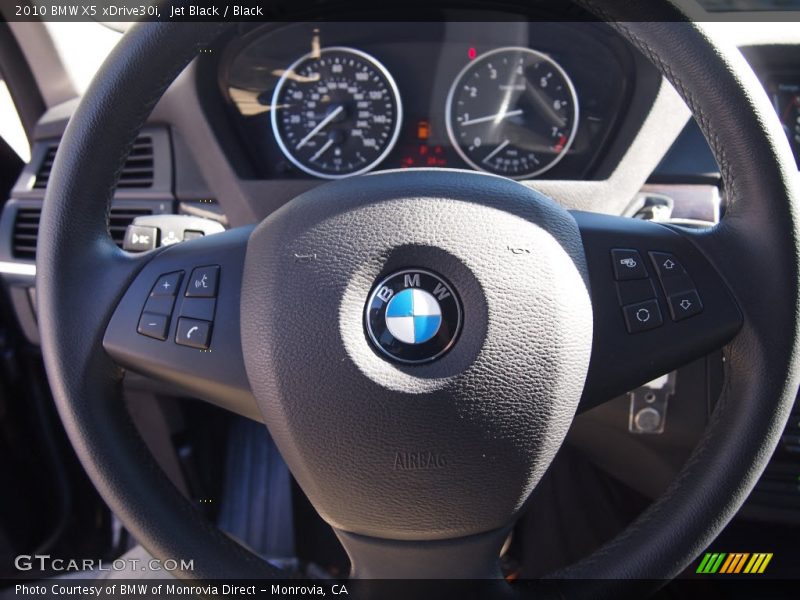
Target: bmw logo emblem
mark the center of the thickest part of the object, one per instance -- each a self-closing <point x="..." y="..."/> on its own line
<point x="413" y="316"/>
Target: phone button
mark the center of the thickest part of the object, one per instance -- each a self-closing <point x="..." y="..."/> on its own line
<point x="193" y="333"/>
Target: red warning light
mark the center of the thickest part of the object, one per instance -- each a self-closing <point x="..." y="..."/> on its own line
<point x="559" y="146"/>
<point x="472" y="53"/>
<point x="424" y="156"/>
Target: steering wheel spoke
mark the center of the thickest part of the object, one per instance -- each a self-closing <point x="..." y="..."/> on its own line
<point x="658" y="303"/>
<point x="179" y="322"/>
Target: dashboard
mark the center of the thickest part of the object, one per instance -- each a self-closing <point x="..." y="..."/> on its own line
<point x="334" y="99"/>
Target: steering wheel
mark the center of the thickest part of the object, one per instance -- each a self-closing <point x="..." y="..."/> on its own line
<point x="421" y="460"/>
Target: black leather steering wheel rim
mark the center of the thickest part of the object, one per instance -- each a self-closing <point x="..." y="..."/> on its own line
<point x="760" y="228"/>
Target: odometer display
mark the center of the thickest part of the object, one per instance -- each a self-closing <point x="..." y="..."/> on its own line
<point x="513" y="112"/>
<point x="336" y="112"/>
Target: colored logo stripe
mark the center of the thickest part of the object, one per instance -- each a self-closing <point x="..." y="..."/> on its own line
<point x="733" y="563"/>
<point x="758" y="563"/>
<point x="711" y="562"/>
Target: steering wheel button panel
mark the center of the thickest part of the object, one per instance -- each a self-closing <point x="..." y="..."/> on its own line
<point x="203" y="282"/>
<point x="643" y="316"/>
<point x="193" y="333"/>
<point x="628" y="264"/>
<point x="684" y="305"/>
<point x="154" y="326"/>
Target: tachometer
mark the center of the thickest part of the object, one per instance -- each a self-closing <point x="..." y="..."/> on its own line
<point x="336" y="112"/>
<point x="512" y="111"/>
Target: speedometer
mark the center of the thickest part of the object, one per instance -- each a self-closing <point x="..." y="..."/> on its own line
<point x="336" y="112"/>
<point x="513" y="112"/>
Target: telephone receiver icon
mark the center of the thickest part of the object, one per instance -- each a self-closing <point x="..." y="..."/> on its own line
<point x="191" y="331"/>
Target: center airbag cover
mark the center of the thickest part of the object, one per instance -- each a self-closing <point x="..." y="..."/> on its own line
<point x="444" y="449"/>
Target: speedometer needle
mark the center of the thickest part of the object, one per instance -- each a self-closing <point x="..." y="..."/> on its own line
<point x="322" y="124"/>
<point x="494" y="152"/>
<point x="321" y="151"/>
<point x="497" y="117"/>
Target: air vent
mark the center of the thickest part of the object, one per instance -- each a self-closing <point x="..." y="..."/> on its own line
<point x="138" y="169"/>
<point x="26" y="228"/>
<point x="137" y="173"/>
<point x="43" y="174"/>
<point x="119" y="220"/>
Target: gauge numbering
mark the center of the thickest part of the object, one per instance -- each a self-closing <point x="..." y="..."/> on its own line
<point x="513" y="112"/>
<point x="336" y="113"/>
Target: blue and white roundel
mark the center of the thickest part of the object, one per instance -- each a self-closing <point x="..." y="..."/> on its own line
<point x="413" y="316"/>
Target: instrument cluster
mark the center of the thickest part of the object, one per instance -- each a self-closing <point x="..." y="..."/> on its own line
<point x="516" y="99"/>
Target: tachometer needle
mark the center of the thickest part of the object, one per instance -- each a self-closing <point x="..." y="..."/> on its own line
<point x="322" y="124"/>
<point x="545" y="105"/>
<point x="497" y="117"/>
<point x="321" y="151"/>
<point x="494" y="152"/>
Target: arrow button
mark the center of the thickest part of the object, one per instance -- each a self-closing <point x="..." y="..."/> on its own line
<point x="667" y="265"/>
<point x="684" y="305"/>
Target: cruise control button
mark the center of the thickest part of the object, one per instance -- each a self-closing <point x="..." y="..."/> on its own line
<point x="667" y="265"/>
<point x="193" y="333"/>
<point x="203" y="282"/>
<point x="154" y="326"/>
<point x="167" y="285"/>
<point x="684" y="305"/>
<point x="628" y="264"/>
<point x="642" y="316"/>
